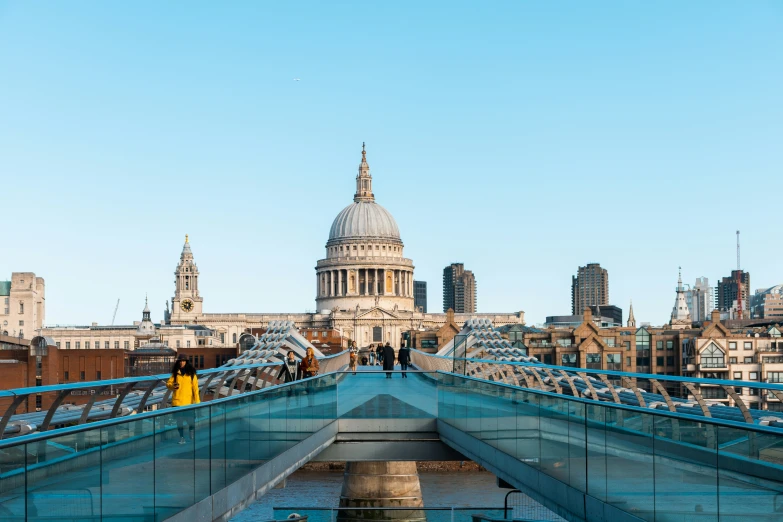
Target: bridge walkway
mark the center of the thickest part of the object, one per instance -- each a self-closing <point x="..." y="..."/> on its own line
<point x="584" y="460"/>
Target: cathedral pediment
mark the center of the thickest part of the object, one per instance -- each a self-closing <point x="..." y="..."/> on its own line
<point x="377" y="313"/>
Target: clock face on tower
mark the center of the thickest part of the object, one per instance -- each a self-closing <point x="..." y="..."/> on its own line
<point x="186" y="305"/>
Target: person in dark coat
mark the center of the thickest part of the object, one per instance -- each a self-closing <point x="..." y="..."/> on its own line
<point x="290" y="371"/>
<point x="388" y="360"/>
<point x="404" y="357"/>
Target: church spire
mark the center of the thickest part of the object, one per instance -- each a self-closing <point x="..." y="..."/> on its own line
<point x="681" y="315"/>
<point x="631" y="319"/>
<point x="364" y="181"/>
<point x="186" y="248"/>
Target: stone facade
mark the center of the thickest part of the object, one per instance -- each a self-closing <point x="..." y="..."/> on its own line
<point x="22" y="305"/>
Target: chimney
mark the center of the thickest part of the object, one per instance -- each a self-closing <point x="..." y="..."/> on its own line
<point x="715" y="316"/>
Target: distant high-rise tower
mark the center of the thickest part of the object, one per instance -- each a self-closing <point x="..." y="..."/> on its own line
<point x="459" y="289"/>
<point x="728" y="293"/>
<point x="700" y="300"/>
<point x="420" y="296"/>
<point x="589" y="287"/>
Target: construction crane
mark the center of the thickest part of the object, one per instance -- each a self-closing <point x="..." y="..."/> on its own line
<point x="113" y="317"/>
<point x="739" y="280"/>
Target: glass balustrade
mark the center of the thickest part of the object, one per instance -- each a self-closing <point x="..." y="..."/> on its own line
<point x="656" y="465"/>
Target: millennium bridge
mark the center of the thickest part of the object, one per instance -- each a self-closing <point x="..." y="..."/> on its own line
<point x="590" y="445"/>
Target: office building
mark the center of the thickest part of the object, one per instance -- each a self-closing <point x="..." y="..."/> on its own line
<point x="732" y="297"/>
<point x="459" y="289"/>
<point x="701" y="300"/>
<point x="590" y="287"/>
<point x="767" y="303"/>
<point x="420" y="296"/>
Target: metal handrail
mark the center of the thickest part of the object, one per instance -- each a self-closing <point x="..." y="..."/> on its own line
<point x="149" y="395"/>
<point x="615" y="373"/>
<point x="769" y="430"/>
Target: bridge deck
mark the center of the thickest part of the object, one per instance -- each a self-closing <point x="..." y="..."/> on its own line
<point x="566" y="452"/>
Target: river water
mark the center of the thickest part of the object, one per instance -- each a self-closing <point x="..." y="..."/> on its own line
<point x="321" y="489"/>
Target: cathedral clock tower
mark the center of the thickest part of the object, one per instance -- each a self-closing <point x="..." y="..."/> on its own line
<point x="186" y="303"/>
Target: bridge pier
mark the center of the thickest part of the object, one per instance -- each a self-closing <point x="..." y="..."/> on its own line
<point x="368" y="485"/>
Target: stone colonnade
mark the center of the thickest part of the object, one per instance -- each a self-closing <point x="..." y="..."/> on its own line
<point x="365" y="281"/>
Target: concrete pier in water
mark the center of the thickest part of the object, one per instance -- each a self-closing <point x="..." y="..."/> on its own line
<point x="368" y="485"/>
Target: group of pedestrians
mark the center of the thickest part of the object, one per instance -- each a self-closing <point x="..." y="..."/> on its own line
<point x="382" y="355"/>
<point x="183" y="382"/>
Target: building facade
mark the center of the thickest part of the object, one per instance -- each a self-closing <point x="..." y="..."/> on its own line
<point x="732" y="295"/>
<point x="22" y="305"/>
<point x="701" y="299"/>
<point x="459" y="289"/>
<point x="767" y="303"/>
<point x="420" y="296"/>
<point x="589" y="287"/>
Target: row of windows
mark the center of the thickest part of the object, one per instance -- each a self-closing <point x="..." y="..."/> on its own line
<point x="369" y="247"/>
<point x="97" y="344"/>
<point x="747" y="345"/>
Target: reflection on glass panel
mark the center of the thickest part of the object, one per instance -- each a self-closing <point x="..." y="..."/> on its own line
<point x="73" y="492"/>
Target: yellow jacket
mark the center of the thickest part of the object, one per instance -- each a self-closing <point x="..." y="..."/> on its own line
<point x="187" y="392"/>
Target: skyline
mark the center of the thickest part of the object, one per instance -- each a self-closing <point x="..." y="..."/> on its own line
<point x="523" y="142"/>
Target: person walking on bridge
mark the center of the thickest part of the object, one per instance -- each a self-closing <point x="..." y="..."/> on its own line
<point x="290" y="371"/>
<point x="354" y="357"/>
<point x="309" y="365"/>
<point x="183" y="384"/>
<point x="404" y="356"/>
<point x="372" y="354"/>
<point x="388" y="359"/>
<point x="379" y="354"/>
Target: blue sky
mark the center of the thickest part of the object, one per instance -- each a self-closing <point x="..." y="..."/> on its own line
<point x="522" y="138"/>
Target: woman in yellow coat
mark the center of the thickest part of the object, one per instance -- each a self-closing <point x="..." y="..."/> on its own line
<point x="184" y="386"/>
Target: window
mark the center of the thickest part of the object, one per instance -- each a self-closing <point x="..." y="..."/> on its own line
<point x="613" y="361"/>
<point x="732" y="346"/>
<point x="21" y="323"/>
<point x="67" y="345"/>
<point x="748" y="345"/>
<point x="713" y="357"/>
<point x="21" y="307"/>
<point x="116" y="345"/>
<point x="222" y="338"/>
<point x="78" y="344"/>
<point x="323" y="334"/>
<point x="569" y="359"/>
<point x="774" y="377"/>
<point x="66" y="375"/>
<point x="593" y="361"/>
<point x="732" y="360"/>
<point x="177" y="343"/>
<point x="659" y="361"/>
<point x="562" y="342"/>
<point x="106" y="345"/>
<point x="669" y="360"/>
<point x="753" y="391"/>
<point x="86" y="345"/>
<point x="547" y="358"/>
<point x="609" y="341"/>
<point x="753" y="376"/>
<point x="737" y="376"/>
<point x="81" y="375"/>
<point x="126" y="345"/>
<point x="627" y="346"/>
<point x="97" y="375"/>
<point x="187" y="344"/>
<point x="748" y="360"/>
<point x="377" y="334"/>
<point x="234" y="337"/>
<point x="659" y="345"/>
<point x="628" y="362"/>
<point x="670" y="345"/>
<point x="38" y="403"/>
<point x="58" y="344"/>
<point x="38" y="381"/>
<point x="713" y="393"/>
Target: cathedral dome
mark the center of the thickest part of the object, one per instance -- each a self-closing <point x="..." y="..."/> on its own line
<point x="364" y="219"/>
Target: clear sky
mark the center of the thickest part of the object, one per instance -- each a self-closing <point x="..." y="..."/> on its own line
<point x="522" y="138"/>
